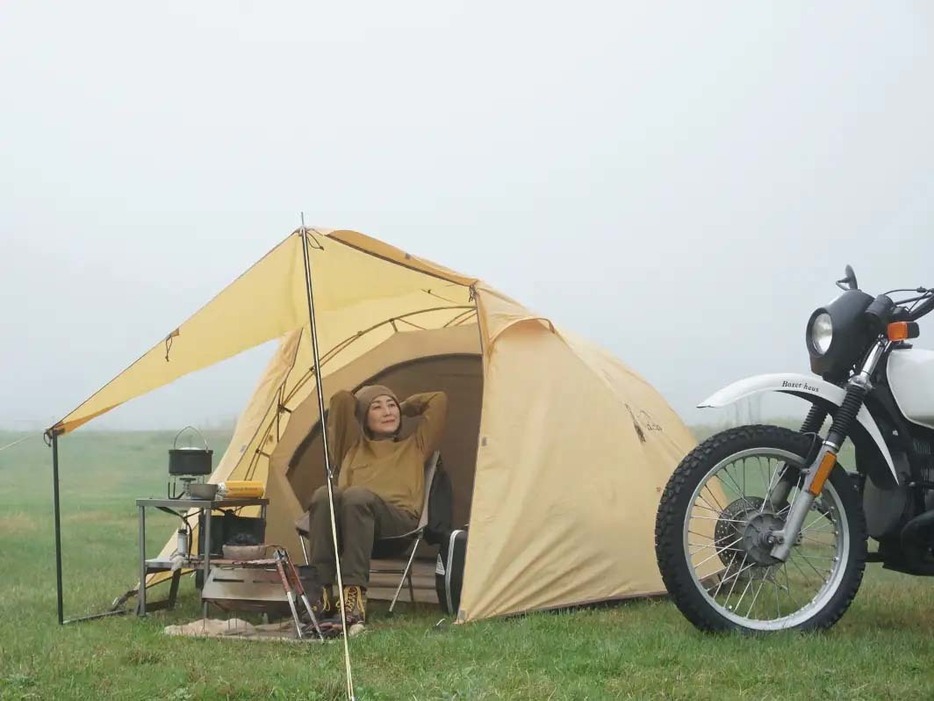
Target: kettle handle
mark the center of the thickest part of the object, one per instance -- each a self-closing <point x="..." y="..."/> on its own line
<point x="175" y="442"/>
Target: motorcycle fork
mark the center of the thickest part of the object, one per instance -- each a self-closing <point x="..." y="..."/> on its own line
<point x="815" y="477"/>
<point x="821" y="466"/>
<point x="778" y="495"/>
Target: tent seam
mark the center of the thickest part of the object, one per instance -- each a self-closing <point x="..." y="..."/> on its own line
<point x="400" y="264"/>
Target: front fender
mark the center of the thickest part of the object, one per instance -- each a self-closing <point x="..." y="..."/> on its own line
<point x="809" y="388"/>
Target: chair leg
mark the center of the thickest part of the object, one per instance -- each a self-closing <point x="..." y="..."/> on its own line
<point x="412" y="593"/>
<point x="406" y="575"/>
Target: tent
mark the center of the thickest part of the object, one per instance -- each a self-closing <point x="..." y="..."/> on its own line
<point x="558" y="452"/>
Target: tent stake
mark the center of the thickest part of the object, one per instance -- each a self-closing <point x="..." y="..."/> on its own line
<point x="58" y="528"/>
<point x="324" y="443"/>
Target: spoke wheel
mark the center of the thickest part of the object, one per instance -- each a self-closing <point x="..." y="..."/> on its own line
<point x="714" y="536"/>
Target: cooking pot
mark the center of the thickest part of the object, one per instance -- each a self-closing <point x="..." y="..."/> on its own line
<point x="190" y="460"/>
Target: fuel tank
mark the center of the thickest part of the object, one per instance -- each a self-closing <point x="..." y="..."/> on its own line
<point x="911" y="377"/>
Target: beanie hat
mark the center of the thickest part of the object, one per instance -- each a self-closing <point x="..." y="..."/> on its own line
<point x="365" y="397"/>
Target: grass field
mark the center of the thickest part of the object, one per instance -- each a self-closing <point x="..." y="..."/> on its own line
<point x="883" y="647"/>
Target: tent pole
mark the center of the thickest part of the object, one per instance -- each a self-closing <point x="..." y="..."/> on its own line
<point x="58" y="527"/>
<point x="314" y="347"/>
<point x="324" y="442"/>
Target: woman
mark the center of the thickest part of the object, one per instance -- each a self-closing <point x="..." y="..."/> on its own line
<point x="380" y="488"/>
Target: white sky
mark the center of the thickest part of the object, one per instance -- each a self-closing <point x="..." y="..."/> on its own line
<point x="680" y="182"/>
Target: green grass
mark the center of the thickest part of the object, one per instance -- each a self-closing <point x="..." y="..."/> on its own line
<point x="882" y="648"/>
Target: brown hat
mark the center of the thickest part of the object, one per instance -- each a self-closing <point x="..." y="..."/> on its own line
<point x="365" y="397"/>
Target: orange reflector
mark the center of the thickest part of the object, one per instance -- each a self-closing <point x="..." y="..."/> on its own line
<point x="823" y="472"/>
<point x="898" y="331"/>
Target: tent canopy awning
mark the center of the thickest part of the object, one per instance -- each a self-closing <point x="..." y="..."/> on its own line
<point x="349" y="273"/>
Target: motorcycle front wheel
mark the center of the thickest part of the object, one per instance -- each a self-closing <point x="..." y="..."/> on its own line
<point x="712" y="528"/>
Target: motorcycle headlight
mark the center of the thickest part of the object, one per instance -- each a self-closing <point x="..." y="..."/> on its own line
<point x="837" y="335"/>
<point x="821" y="333"/>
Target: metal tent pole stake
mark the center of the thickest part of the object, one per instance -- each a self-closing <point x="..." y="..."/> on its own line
<point x="52" y="439"/>
<point x="58" y="528"/>
<point x="324" y="442"/>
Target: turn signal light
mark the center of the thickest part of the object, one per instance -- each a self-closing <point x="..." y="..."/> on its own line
<point x="902" y="330"/>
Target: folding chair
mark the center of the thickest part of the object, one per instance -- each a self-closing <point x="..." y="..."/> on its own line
<point x="399" y="543"/>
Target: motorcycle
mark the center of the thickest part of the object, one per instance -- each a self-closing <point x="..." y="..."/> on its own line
<point x="760" y="528"/>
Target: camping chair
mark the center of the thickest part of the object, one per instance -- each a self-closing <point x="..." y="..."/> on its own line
<point x="398" y="544"/>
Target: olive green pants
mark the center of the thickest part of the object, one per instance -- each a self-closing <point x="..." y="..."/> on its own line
<point x="362" y="518"/>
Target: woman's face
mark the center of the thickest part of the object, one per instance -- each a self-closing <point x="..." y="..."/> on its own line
<point x="383" y="417"/>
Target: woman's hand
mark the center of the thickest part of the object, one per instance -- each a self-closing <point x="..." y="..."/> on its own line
<point x="411" y="408"/>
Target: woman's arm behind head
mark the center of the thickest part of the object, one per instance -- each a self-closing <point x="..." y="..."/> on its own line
<point x="433" y="409"/>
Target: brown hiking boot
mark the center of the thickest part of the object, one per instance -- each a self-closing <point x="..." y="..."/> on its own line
<point x="355" y="605"/>
<point x="323" y="607"/>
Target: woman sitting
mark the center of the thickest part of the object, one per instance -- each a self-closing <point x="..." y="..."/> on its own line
<point x="380" y="488"/>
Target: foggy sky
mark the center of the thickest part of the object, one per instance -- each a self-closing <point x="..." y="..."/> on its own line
<point x="680" y="182"/>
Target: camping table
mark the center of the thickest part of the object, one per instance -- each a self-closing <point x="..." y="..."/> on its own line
<point x="182" y="508"/>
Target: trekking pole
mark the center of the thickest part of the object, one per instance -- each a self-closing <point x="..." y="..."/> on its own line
<point x="280" y="568"/>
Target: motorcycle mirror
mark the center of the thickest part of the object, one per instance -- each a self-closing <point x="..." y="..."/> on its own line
<point x="849" y="282"/>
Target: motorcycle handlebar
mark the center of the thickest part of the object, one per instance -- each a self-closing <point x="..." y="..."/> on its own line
<point x="923" y="308"/>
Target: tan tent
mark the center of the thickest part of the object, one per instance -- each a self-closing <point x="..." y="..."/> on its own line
<point x="557" y="451"/>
